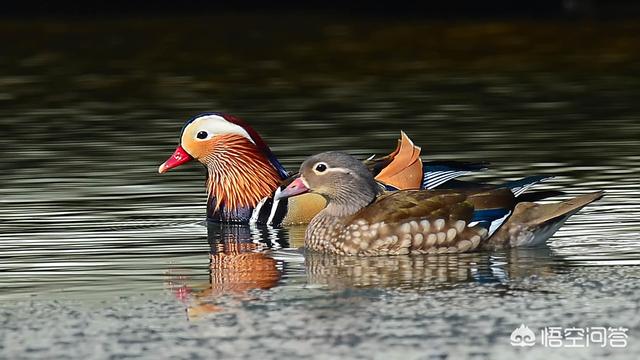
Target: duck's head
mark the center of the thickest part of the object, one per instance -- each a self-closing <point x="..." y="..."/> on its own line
<point x="343" y="180"/>
<point x="241" y="167"/>
<point x="208" y="133"/>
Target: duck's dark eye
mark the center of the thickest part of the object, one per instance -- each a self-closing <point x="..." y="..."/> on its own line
<point x="321" y="167"/>
<point x="202" y="135"/>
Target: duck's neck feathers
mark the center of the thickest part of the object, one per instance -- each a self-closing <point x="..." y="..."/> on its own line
<point x="239" y="175"/>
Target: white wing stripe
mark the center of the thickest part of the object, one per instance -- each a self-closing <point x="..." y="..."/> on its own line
<point x="256" y="211"/>
<point x="432" y="180"/>
<point x="495" y="224"/>
<point x="274" y="206"/>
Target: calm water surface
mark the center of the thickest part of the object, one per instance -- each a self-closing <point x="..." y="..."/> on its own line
<point x="102" y="257"/>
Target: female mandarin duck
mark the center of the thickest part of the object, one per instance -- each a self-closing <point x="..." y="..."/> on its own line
<point x="360" y="220"/>
<point x="243" y="173"/>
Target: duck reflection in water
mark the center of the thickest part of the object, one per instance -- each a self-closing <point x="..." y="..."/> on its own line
<point x="498" y="266"/>
<point x="239" y="262"/>
<point x="426" y="272"/>
<point x="244" y="259"/>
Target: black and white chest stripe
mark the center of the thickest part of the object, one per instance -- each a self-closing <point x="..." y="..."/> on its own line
<point x="268" y="211"/>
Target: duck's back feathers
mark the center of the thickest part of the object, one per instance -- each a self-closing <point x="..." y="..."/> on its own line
<point x="403" y="205"/>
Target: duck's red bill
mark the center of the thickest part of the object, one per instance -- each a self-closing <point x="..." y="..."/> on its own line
<point x="297" y="187"/>
<point x="178" y="158"/>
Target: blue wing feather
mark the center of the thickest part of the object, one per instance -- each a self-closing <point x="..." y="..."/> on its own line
<point x="490" y="219"/>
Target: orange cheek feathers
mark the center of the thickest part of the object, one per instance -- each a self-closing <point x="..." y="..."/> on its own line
<point x="198" y="149"/>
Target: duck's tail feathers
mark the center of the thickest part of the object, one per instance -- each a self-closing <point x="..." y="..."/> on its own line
<point x="533" y="224"/>
<point x="552" y="212"/>
<point x="404" y="171"/>
<point x="518" y="187"/>
<point x="436" y="173"/>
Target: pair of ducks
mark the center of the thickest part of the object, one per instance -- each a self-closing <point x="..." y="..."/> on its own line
<point x="391" y="205"/>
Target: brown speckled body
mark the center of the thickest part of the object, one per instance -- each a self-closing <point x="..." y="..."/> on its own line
<point x="418" y="222"/>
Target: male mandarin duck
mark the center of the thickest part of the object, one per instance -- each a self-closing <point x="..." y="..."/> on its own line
<point x="244" y="175"/>
<point x="360" y="219"/>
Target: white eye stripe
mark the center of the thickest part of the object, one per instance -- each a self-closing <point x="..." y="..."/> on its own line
<point x="338" y="169"/>
<point x="329" y="169"/>
<point x="217" y="125"/>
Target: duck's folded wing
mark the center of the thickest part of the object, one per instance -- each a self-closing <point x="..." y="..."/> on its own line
<point x="404" y="169"/>
<point x="408" y="204"/>
<point x="423" y="221"/>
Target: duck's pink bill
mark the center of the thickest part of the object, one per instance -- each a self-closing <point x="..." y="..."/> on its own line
<point x="178" y="158"/>
<point x="297" y="187"/>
